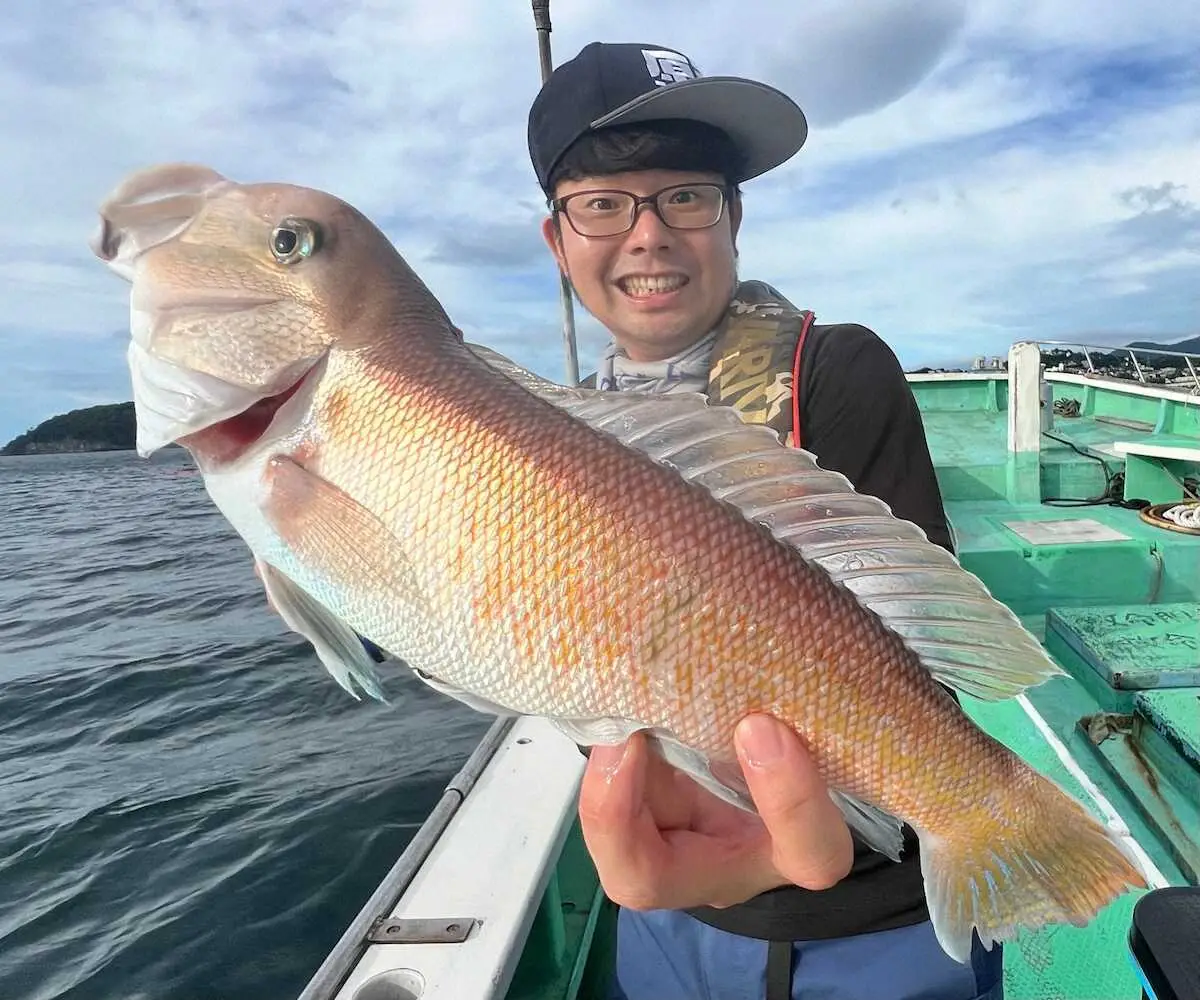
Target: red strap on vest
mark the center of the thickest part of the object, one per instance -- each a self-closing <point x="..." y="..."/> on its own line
<point x="808" y="322"/>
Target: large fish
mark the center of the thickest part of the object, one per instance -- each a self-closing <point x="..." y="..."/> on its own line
<point x="614" y="561"/>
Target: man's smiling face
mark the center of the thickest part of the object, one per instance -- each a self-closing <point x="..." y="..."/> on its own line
<point x="658" y="290"/>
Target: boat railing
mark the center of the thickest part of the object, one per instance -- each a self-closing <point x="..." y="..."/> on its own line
<point x="1030" y="384"/>
<point x="327" y="980"/>
<point x="480" y="884"/>
<point x="1190" y="361"/>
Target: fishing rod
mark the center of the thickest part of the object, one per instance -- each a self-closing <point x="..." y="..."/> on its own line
<point x="541" y="20"/>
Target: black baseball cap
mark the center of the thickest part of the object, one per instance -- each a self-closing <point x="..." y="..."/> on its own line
<point x="618" y="83"/>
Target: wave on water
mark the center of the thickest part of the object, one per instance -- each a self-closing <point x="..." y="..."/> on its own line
<point x="190" y="807"/>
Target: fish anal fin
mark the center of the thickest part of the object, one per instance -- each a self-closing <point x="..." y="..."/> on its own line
<point x="722" y="779"/>
<point x="471" y="700"/>
<point x="597" y="731"/>
<point x="879" y="830"/>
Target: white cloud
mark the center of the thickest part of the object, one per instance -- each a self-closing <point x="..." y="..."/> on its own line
<point x="967" y="179"/>
<point x="1031" y="240"/>
<point x="1098" y="26"/>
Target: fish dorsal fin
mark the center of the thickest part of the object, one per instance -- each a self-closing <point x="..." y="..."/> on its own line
<point x="964" y="636"/>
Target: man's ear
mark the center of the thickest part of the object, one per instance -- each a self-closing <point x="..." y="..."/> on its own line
<point x="553" y="237"/>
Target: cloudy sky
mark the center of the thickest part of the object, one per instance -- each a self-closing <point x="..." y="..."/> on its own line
<point x="977" y="171"/>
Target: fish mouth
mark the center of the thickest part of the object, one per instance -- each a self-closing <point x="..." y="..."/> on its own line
<point x="223" y="443"/>
<point x="217" y="421"/>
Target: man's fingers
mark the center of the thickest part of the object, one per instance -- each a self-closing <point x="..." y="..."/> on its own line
<point x="811" y="842"/>
<point x="647" y="861"/>
<point x="618" y="828"/>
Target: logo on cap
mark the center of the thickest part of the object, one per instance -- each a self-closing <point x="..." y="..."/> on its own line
<point x="666" y="67"/>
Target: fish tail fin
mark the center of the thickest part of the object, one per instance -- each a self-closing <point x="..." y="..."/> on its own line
<point x="1047" y="861"/>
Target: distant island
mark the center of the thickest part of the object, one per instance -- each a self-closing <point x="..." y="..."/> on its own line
<point x="111" y="427"/>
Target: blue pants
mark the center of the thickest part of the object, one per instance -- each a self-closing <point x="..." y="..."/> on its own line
<point x="667" y="955"/>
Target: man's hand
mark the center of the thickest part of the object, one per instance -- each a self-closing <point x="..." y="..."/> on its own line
<point x="660" y="841"/>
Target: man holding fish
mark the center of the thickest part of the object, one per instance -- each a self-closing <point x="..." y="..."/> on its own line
<point x="635" y="559"/>
<point x="640" y="156"/>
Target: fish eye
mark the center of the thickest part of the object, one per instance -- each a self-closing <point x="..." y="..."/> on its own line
<point x="294" y="239"/>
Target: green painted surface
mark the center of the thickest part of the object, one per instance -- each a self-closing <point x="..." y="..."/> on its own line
<point x="1151" y="478"/>
<point x="961" y="476"/>
<point x="1123" y="561"/>
<point x="1184" y="420"/>
<point x="962" y="395"/>
<point x="1063" y="568"/>
<point x="568" y="954"/>
<point x="1136" y="647"/>
<point x="1069" y="566"/>
<point x="1175" y="714"/>
<point x="1107" y="403"/>
<point x="1070" y="963"/>
<point x="1188" y="442"/>
<point x="1163" y="788"/>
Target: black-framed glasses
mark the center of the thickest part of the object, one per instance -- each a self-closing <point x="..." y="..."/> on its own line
<point x="611" y="213"/>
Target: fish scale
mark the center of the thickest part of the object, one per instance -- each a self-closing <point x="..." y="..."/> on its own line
<point x="614" y="561"/>
<point x="535" y="494"/>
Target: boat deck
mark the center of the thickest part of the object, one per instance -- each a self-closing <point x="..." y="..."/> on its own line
<point x="1117" y="602"/>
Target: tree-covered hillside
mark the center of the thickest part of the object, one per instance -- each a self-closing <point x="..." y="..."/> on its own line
<point x="95" y="428"/>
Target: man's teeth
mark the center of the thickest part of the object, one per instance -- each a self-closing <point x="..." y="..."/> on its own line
<point x="638" y="285"/>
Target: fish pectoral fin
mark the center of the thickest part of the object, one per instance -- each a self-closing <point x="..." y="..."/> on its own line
<point x="722" y="780"/>
<point x="477" y="702"/>
<point x="879" y="830"/>
<point x="336" y="644"/>
<point x="335" y="537"/>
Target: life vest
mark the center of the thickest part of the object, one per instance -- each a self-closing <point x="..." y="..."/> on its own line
<point x="755" y="365"/>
